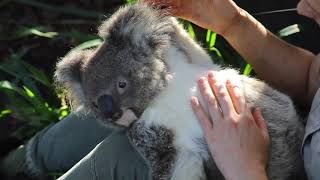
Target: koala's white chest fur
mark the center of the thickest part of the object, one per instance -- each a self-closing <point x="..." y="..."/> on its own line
<point x="172" y="108"/>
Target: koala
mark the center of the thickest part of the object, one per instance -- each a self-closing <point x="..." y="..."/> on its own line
<point x="141" y="78"/>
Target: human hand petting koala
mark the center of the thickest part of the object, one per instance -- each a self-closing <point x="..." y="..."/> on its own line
<point x="237" y="138"/>
<point x="217" y="15"/>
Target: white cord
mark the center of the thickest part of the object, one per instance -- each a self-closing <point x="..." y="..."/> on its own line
<point x="275" y="11"/>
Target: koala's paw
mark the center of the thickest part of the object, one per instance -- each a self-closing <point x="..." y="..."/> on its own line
<point x="155" y="143"/>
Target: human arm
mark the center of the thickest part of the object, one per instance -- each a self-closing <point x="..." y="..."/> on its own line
<point x="282" y="65"/>
<point x="238" y="139"/>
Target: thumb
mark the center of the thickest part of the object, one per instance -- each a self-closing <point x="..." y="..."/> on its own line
<point x="257" y="115"/>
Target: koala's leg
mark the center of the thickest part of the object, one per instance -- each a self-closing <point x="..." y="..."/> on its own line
<point x="188" y="166"/>
<point x="155" y="143"/>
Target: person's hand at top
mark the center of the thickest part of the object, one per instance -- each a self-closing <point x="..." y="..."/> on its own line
<point x="237" y="138"/>
<point x="217" y="15"/>
<point x="310" y="8"/>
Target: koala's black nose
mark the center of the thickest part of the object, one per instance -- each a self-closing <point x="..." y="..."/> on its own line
<point x="108" y="107"/>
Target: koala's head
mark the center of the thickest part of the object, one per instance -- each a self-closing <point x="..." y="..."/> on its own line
<point x="126" y="71"/>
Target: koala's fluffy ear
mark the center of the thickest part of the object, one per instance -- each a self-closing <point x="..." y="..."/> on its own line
<point x="138" y="26"/>
<point x="68" y="76"/>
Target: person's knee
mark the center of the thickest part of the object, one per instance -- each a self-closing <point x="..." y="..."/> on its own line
<point x="116" y="157"/>
<point x="113" y="158"/>
<point x="62" y="145"/>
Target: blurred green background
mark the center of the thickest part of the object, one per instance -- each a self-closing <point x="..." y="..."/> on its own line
<point x="35" y="33"/>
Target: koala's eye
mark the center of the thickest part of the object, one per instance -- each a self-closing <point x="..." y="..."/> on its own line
<point x="122" y="84"/>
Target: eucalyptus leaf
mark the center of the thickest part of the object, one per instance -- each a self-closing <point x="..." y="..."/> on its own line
<point x="89" y="44"/>
<point x="131" y="1"/>
<point x="213" y="39"/>
<point x="37" y="74"/>
<point x="208" y="36"/>
<point x="191" y="30"/>
<point x="29" y="31"/>
<point x="247" y="70"/>
<point x="218" y="53"/>
<point x="5" y="112"/>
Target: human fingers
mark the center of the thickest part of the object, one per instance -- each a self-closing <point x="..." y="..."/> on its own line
<point x="257" y="116"/>
<point x="167" y="6"/>
<point x="209" y="98"/>
<point x="203" y="118"/>
<point x="310" y="8"/>
<point x="222" y="95"/>
<point x="315" y="5"/>
<point x="237" y="97"/>
<point x="305" y="9"/>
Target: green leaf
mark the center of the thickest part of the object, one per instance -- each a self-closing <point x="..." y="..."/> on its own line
<point x="208" y="36"/>
<point x="131" y="1"/>
<point x="41" y="34"/>
<point x="17" y="69"/>
<point x="293" y="29"/>
<point x="63" y="112"/>
<point x="247" y="70"/>
<point x="37" y="74"/>
<point x="28" y="91"/>
<point x="5" y="112"/>
<point x="36" y="101"/>
<point x="216" y="51"/>
<point x="14" y="67"/>
<point x="28" y="31"/>
<point x="191" y="31"/>
<point x="9" y="86"/>
<point x="213" y="39"/>
<point x="89" y="44"/>
<point x="25" y="72"/>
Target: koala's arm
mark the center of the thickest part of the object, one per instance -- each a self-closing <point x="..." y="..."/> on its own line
<point x="286" y="67"/>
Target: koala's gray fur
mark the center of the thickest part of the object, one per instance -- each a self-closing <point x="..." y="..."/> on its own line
<point x="143" y="49"/>
<point x="156" y="145"/>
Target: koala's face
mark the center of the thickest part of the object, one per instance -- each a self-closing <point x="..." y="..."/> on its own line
<point x="115" y="79"/>
<point x="127" y="71"/>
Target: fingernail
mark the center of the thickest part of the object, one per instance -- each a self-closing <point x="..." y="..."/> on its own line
<point x="211" y="74"/>
<point x="258" y="109"/>
<point x="201" y="80"/>
<point x="194" y="101"/>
